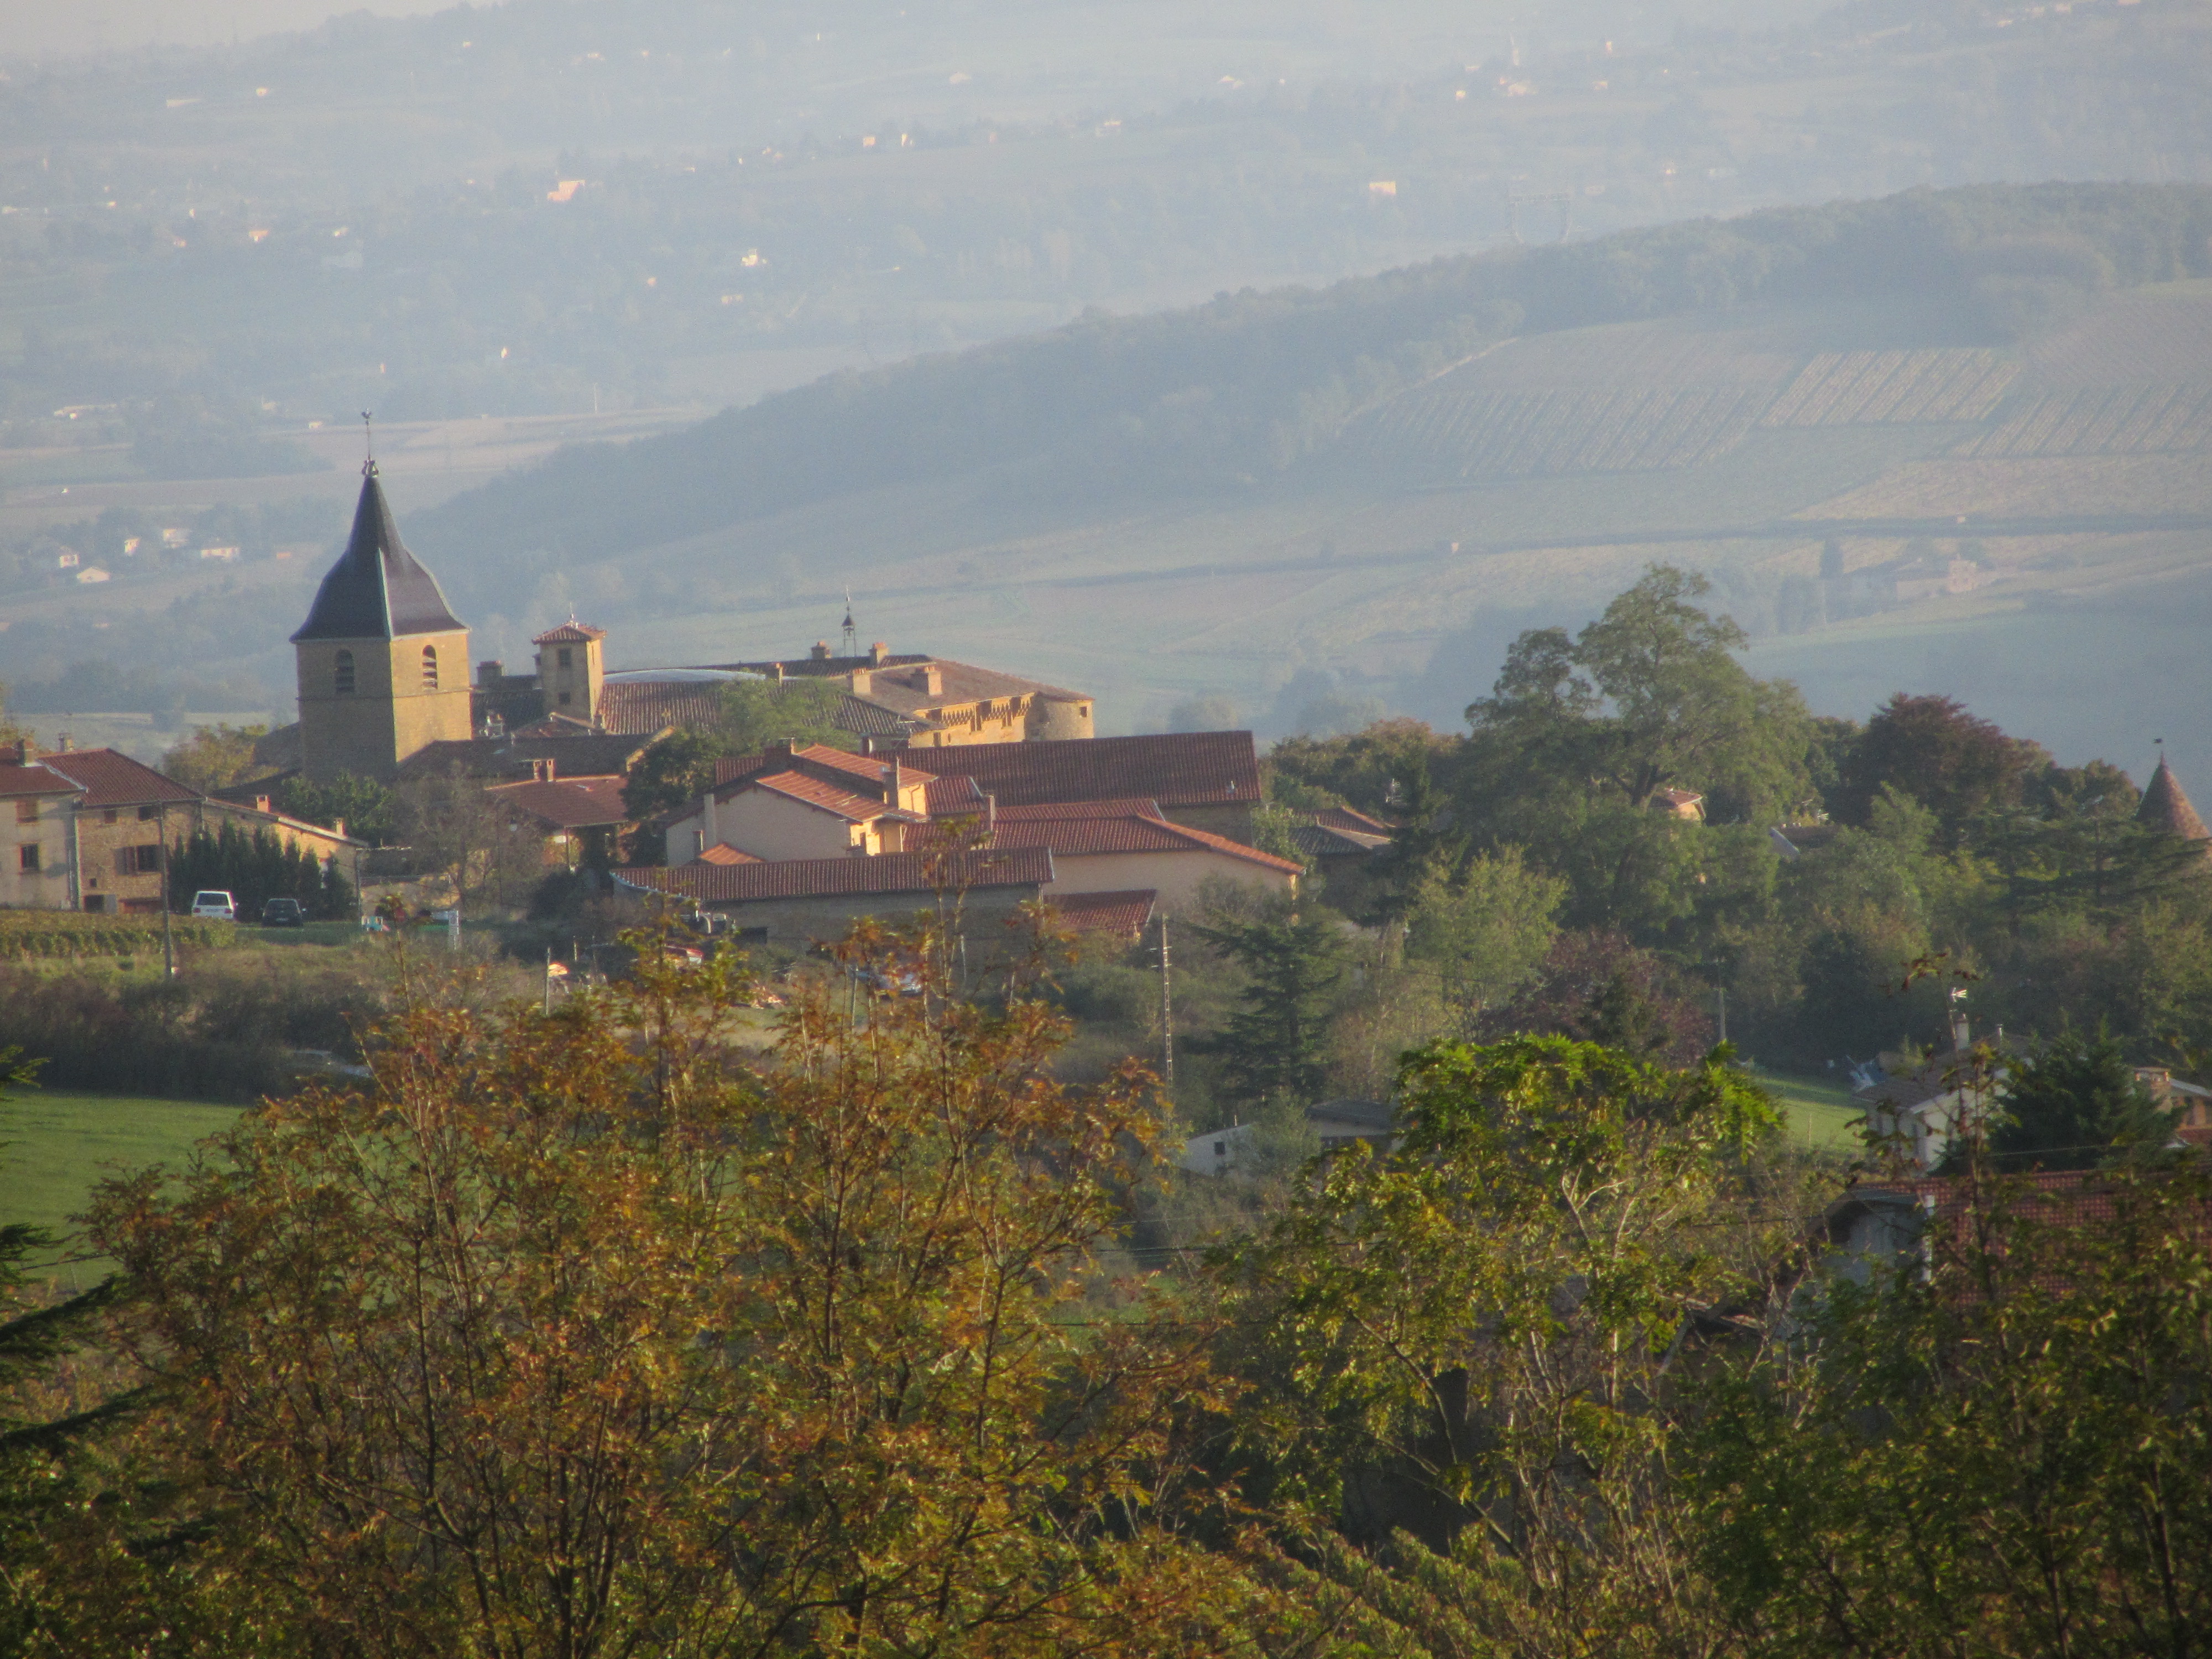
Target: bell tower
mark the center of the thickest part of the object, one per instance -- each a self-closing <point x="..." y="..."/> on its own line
<point x="383" y="662"/>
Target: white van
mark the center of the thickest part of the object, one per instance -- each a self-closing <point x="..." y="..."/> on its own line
<point x="210" y="905"/>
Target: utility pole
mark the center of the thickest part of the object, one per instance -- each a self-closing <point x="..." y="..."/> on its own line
<point x="168" y="941"/>
<point x="1167" y="1012"/>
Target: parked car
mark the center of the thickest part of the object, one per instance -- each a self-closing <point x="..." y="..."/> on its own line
<point x="210" y="905"/>
<point x="283" y="912"/>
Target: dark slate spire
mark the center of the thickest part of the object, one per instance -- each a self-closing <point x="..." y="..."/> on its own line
<point x="2166" y="807"/>
<point x="376" y="590"/>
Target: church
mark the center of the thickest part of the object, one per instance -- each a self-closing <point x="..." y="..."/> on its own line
<point x="384" y="674"/>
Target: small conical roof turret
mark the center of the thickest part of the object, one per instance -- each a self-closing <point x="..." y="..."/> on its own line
<point x="377" y="590"/>
<point x="2165" y="806"/>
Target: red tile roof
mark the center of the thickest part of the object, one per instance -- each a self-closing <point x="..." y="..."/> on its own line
<point x="1353" y="820"/>
<point x="1131" y="832"/>
<point x="823" y="797"/>
<point x="953" y="798"/>
<point x="646" y="708"/>
<point x="725" y="854"/>
<point x="1049" y="811"/>
<point x="1175" y="768"/>
<point x="34" y="780"/>
<point x="571" y="632"/>
<point x="568" y="802"/>
<point x="1125" y="915"/>
<point x="110" y="779"/>
<point x="873" y="770"/>
<point x="887" y="872"/>
<point x="593" y="755"/>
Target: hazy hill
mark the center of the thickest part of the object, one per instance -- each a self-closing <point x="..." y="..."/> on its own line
<point x="1259" y="387"/>
<point x="1318" y="502"/>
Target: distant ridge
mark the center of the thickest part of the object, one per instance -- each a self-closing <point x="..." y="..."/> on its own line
<point x="1257" y="386"/>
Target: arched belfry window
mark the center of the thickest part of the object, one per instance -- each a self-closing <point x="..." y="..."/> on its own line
<point x="342" y="676"/>
<point x="429" y="668"/>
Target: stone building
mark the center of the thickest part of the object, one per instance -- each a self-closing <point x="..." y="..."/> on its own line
<point x="383" y="662"/>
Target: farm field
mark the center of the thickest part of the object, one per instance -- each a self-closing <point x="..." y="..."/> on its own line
<point x="1820" y="1113"/>
<point x="55" y="1147"/>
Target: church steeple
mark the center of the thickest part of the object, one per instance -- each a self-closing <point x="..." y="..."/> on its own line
<point x="383" y="661"/>
<point x="377" y="590"/>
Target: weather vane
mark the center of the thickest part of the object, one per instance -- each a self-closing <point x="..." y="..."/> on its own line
<point x="368" y="447"/>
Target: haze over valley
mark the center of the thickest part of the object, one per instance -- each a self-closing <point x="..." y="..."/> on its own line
<point x="521" y="234"/>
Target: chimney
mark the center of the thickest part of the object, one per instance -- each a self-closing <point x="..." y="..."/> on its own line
<point x="876" y="653"/>
<point x="491" y="671"/>
<point x="933" y="681"/>
<point x="261" y="803"/>
<point x="1961" y="1035"/>
<point x="991" y="816"/>
<point x="779" y="672"/>
<point x="68" y="745"/>
<point x="780" y="746"/>
<point x="22" y="752"/>
<point x="896" y="799"/>
<point x="864" y="681"/>
<point x="821" y="652"/>
<point x="867" y="745"/>
<point x="337" y="826"/>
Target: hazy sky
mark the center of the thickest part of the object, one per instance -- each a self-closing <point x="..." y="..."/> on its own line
<point x="41" y="26"/>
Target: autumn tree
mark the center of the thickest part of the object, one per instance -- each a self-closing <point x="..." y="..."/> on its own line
<point x="214" y="757"/>
<point x="588" y="1334"/>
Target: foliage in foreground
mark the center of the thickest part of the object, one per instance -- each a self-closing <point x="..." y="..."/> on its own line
<point x="577" y="1334"/>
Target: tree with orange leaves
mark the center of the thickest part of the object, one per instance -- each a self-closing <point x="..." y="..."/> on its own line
<point x="584" y="1334"/>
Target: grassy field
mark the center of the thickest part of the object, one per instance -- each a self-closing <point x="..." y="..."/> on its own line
<point x="1821" y="1112"/>
<point x="56" y="1146"/>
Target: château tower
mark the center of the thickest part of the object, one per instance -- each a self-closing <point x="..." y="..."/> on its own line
<point x="383" y="662"/>
<point x="571" y="671"/>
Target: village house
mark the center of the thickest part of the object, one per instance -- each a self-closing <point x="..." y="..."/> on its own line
<point x="1207" y="780"/>
<point x="578" y="818"/>
<point x="806" y="801"/>
<point x="1130" y="847"/>
<point x="86" y="827"/>
<point x="801" y="901"/>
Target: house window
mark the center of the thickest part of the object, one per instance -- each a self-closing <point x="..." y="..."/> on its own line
<point x="109" y="815"/>
<point x="343" y="675"/>
<point x="563" y="656"/>
<point x="429" y="668"/>
<point x="95" y="902"/>
<point x="27" y="812"/>
<point x="148" y="814"/>
<point x="138" y="860"/>
<point x="26" y="858"/>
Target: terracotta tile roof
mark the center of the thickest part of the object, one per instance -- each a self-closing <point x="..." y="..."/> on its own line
<point x="1355" y="823"/>
<point x="1123" y="915"/>
<point x="864" y="719"/>
<point x="637" y="707"/>
<point x="570" y="632"/>
<point x="953" y="798"/>
<point x="1174" y="769"/>
<point x="872" y="770"/>
<point x="887" y="872"/>
<point x="823" y="797"/>
<point x="1130" y="832"/>
<point x="725" y="854"/>
<point x="568" y="802"/>
<point x="1049" y="811"/>
<point x="2165" y="806"/>
<point x="110" y="779"/>
<point x="34" y="780"/>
